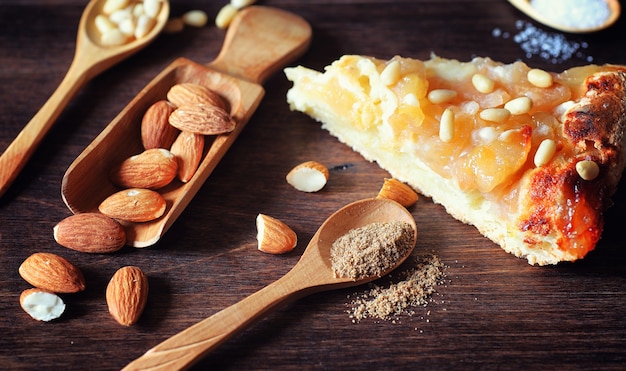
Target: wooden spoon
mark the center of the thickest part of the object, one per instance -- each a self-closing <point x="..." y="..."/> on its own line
<point x="313" y="273"/>
<point x="529" y="10"/>
<point x="90" y="59"/>
<point x="259" y="41"/>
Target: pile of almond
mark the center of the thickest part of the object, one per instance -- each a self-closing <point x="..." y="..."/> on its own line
<point x="173" y="132"/>
<point x="51" y="275"/>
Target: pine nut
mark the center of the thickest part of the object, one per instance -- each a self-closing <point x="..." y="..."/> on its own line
<point x="483" y="83"/>
<point x="446" y="126"/>
<point x="495" y="114"/>
<point x="111" y="6"/>
<point x="519" y="105"/>
<point x="113" y="37"/>
<point x="411" y="100"/>
<point x="240" y="4"/>
<point x="151" y="8"/>
<point x="144" y="25"/>
<point x="545" y="152"/>
<point x="127" y="26"/>
<point x="391" y="73"/>
<point x="121" y="15"/>
<point x="195" y="18"/>
<point x="103" y="24"/>
<point x="439" y="96"/>
<point x="587" y="169"/>
<point x="225" y="16"/>
<point x="539" y="78"/>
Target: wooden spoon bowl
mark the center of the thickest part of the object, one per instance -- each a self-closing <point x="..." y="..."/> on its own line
<point x="260" y="40"/>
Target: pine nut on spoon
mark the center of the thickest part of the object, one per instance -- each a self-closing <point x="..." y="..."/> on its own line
<point x="260" y="41"/>
<point x="90" y="59"/>
<point x="313" y="273"/>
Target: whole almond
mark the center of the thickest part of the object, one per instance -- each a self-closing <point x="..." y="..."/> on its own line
<point x="185" y="94"/>
<point x="187" y="149"/>
<point x="205" y="119"/>
<point x="274" y="236"/>
<point x="90" y="232"/>
<point x="52" y="273"/>
<point x="134" y="205"/>
<point x="152" y="169"/>
<point x="127" y="294"/>
<point x="156" y="131"/>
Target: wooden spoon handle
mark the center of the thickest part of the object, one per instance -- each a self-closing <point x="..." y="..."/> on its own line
<point x="262" y="41"/>
<point x="188" y="346"/>
<point x="23" y="146"/>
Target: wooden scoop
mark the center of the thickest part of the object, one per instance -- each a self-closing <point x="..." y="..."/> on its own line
<point x="260" y="40"/>
<point x="313" y="273"/>
<point x="90" y="59"/>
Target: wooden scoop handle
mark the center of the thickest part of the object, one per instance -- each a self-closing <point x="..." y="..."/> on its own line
<point x="263" y="40"/>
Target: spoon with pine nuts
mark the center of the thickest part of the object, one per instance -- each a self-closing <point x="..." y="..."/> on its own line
<point x="96" y="51"/>
<point x="314" y="272"/>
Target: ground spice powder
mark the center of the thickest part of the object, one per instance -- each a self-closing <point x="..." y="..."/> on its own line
<point x="371" y="250"/>
<point x="414" y="288"/>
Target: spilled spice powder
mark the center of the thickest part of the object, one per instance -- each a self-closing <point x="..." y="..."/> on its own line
<point x="414" y="288"/>
<point x="371" y="250"/>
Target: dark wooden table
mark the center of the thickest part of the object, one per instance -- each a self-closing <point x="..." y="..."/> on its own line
<point x="493" y="312"/>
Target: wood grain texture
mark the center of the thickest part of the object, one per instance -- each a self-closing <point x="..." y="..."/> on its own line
<point x="494" y="311"/>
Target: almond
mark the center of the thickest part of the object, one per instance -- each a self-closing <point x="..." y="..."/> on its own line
<point x="127" y="294"/>
<point x="274" y="236"/>
<point x="42" y="305"/>
<point x="156" y="131"/>
<point x="152" y="169"/>
<point x="310" y="176"/>
<point x="52" y="273"/>
<point x="205" y="119"/>
<point x="394" y="189"/>
<point x="90" y="232"/>
<point x="185" y="94"/>
<point x="134" y="205"/>
<point x="187" y="149"/>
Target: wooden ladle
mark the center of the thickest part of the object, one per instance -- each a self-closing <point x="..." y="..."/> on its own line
<point x="313" y="273"/>
<point x="90" y="59"/>
<point x="525" y="7"/>
<point x="259" y="41"/>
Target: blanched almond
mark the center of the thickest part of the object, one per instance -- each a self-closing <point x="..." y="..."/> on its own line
<point x="187" y="149"/>
<point x="41" y="304"/>
<point x="394" y="189"/>
<point x="310" y="176"/>
<point x="52" y="273"/>
<point x="274" y="236"/>
<point x="205" y="119"/>
<point x="134" y="205"/>
<point x="127" y="294"/>
<point x="152" y="169"/>
<point x="156" y="131"/>
<point x="90" y="232"/>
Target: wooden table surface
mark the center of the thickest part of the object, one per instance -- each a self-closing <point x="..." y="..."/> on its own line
<point x="493" y="312"/>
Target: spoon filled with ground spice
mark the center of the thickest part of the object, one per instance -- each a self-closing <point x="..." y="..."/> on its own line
<point x="359" y="243"/>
